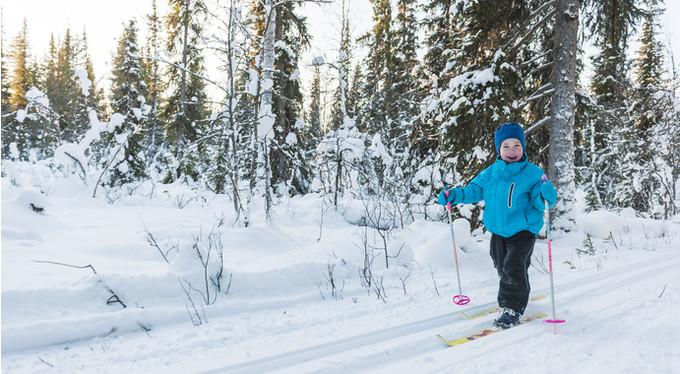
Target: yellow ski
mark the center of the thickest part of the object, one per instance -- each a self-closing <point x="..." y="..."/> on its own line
<point x="483" y="333"/>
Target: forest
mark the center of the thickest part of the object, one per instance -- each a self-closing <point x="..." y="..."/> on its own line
<point x="414" y="103"/>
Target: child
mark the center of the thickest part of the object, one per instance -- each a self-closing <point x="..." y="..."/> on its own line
<point x="514" y="193"/>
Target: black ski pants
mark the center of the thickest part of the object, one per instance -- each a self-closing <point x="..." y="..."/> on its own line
<point x="512" y="257"/>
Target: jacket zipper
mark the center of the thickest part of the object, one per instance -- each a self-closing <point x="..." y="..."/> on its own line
<point x="512" y="188"/>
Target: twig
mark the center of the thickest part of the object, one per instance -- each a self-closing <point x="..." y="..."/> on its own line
<point x="84" y="177"/>
<point x="664" y="290"/>
<point x="436" y="289"/>
<point x="45" y="362"/>
<point x="152" y="242"/>
<point x="62" y="264"/>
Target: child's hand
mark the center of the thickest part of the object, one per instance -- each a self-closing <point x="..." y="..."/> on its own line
<point x="548" y="191"/>
<point x="446" y="196"/>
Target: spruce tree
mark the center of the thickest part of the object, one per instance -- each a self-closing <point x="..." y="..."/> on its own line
<point x="612" y="22"/>
<point x="67" y="97"/>
<point x="354" y="93"/>
<point x="406" y="92"/>
<point x="313" y="133"/>
<point x="185" y="112"/>
<point x="651" y="108"/>
<point x="485" y="82"/>
<point x="128" y="92"/>
<point x="154" y="86"/>
<point x="432" y="75"/>
<point x="343" y="66"/>
<point x="4" y="90"/>
<point x="376" y="113"/>
<point x="286" y="160"/>
<point x="289" y="165"/>
<point x="438" y="40"/>
<point x="95" y="95"/>
<point x="51" y="73"/>
<point x="23" y="128"/>
<point x="21" y="77"/>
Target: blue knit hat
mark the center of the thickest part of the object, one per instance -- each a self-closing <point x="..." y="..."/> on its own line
<point x="508" y="131"/>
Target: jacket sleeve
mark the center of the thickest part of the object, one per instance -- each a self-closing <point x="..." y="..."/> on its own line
<point x="474" y="191"/>
<point x="543" y="191"/>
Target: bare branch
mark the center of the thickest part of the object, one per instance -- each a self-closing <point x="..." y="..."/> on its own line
<point x="62" y="264"/>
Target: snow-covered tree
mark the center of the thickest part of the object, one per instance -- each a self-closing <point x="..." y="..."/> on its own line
<point x="289" y="164"/>
<point x="376" y="109"/>
<point x="228" y="136"/>
<point x="128" y="92"/>
<point x="185" y="113"/>
<point x="154" y="83"/>
<point x="341" y="107"/>
<point x="312" y="133"/>
<point x="612" y="23"/>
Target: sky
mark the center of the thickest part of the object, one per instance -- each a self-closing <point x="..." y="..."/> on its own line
<point x="103" y="22"/>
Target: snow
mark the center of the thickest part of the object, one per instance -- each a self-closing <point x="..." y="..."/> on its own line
<point x="252" y="82"/>
<point x="37" y="96"/>
<point x="319" y="60"/>
<point x="85" y="83"/>
<point x="291" y="138"/>
<point x="138" y="113"/>
<point x="14" y="150"/>
<point x="282" y="314"/>
<point x="21" y="115"/>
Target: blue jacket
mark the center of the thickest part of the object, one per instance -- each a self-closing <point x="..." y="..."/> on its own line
<point x="513" y="195"/>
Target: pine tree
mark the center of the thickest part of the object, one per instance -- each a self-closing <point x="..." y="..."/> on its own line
<point x="185" y="112"/>
<point x="128" y="92"/>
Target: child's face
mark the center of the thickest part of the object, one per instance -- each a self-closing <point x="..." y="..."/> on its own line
<point x="511" y="150"/>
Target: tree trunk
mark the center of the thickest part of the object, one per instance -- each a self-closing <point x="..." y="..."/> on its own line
<point x="561" y="159"/>
<point x="185" y="53"/>
<point x="266" y="118"/>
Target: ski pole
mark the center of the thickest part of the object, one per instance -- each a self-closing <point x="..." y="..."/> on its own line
<point x="459" y="299"/>
<point x="554" y="319"/>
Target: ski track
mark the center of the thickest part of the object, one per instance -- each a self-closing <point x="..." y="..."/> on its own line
<point x="609" y="311"/>
<point x="405" y="348"/>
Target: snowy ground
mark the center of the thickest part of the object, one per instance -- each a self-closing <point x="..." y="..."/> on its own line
<point x="620" y="303"/>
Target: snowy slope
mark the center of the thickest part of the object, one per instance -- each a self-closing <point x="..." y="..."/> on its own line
<point x="620" y="303"/>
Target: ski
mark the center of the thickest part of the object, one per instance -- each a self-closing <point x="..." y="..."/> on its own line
<point x="483" y="333"/>
<point x="495" y="309"/>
